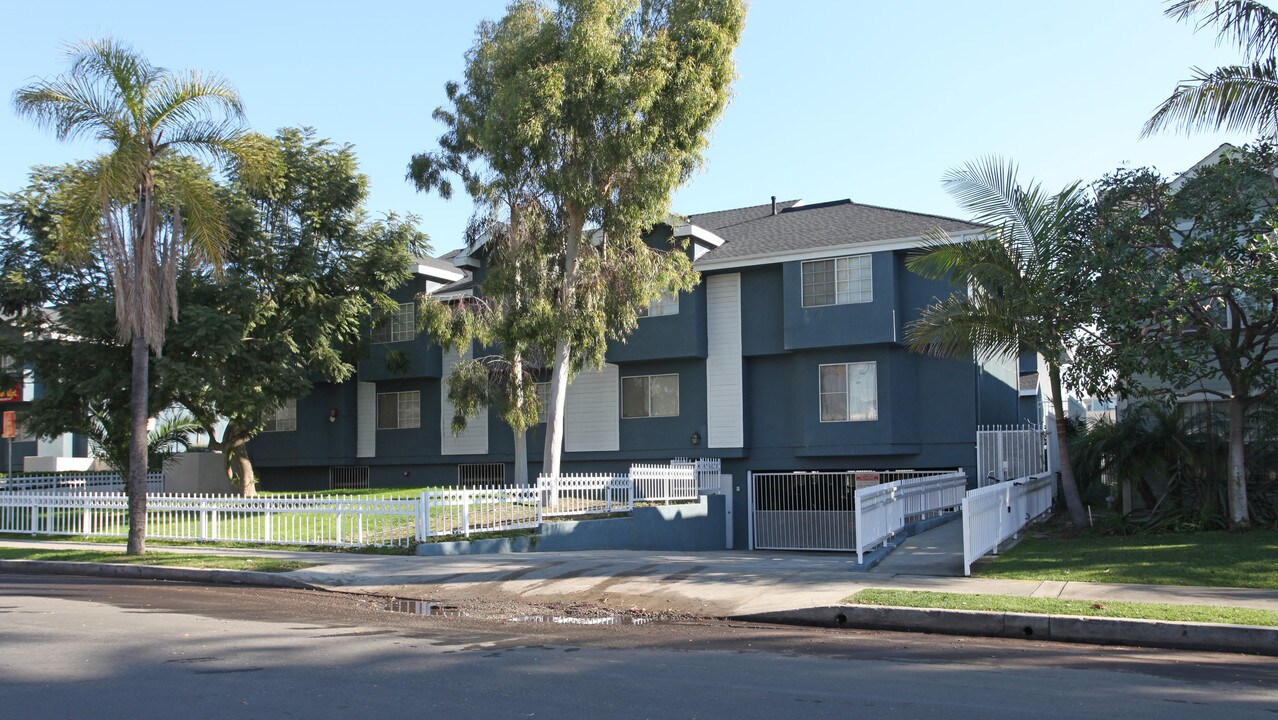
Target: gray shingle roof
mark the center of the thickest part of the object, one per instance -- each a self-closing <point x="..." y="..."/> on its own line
<point x="442" y="263"/>
<point x="753" y="231"/>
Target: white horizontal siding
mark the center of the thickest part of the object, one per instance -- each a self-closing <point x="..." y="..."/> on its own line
<point x="365" y="419"/>
<point x="724" y="405"/>
<point x="474" y="439"/>
<point x="593" y="419"/>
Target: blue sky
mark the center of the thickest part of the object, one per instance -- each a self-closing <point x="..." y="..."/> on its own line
<point x="863" y="100"/>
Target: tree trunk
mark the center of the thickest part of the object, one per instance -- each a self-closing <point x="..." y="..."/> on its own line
<point x="240" y="468"/>
<point x="1069" y="486"/>
<point x="563" y="351"/>
<point x="135" y="485"/>
<point x="1239" y="515"/>
<point x="521" y="458"/>
<point x="555" y="418"/>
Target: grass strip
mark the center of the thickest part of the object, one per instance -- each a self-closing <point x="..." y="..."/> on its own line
<point x="1057" y="606"/>
<point x="186" y="560"/>
<point x="1211" y="558"/>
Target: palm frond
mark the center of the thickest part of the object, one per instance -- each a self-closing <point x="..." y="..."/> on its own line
<point x="177" y="101"/>
<point x="960" y="326"/>
<point x="1234" y="98"/>
<point x="1253" y="26"/>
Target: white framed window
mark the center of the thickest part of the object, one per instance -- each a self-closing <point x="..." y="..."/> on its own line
<point x="400" y="326"/>
<point x="543" y="400"/>
<point x="399" y="410"/>
<point x="650" y="396"/>
<point x="284" y="419"/>
<point x="666" y="304"/>
<point x="838" y="281"/>
<point x="849" y="392"/>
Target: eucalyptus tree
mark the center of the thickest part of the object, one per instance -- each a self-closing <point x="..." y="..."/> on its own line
<point x="509" y="317"/>
<point x="599" y="109"/>
<point x="1018" y="281"/>
<point x="1234" y="97"/>
<point x="129" y="206"/>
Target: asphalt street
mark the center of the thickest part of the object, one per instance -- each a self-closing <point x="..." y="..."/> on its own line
<point x="94" y="648"/>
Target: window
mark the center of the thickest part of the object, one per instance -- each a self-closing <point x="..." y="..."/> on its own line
<point x="399" y="410"/>
<point x="284" y="419"/>
<point x="667" y="304"/>
<point x="837" y="281"/>
<point x="849" y="392"/>
<point x="543" y="400"/>
<point x="400" y="326"/>
<point x="650" y="396"/>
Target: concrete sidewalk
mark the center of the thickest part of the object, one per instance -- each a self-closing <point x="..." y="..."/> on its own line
<point x="720" y="584"/>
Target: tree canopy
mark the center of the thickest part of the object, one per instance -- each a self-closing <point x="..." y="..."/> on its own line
<point x="1186" y="291"/>
<point x="582" y="120"/>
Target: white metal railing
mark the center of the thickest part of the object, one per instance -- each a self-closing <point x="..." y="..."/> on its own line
<point x="709" y="472"/>
<point x="995" y="513"/>
<point x="294" y="520"/>
<point x="1004" y="452"/>
<point x="584" y="494"/>
<point x="462" y="511"/>
<point x="664" y="483"/>
<point x="77" y="482"/>
<point x="882" y="511"/>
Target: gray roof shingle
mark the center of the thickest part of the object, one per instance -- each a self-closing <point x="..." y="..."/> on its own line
<point x="754" y="231"/>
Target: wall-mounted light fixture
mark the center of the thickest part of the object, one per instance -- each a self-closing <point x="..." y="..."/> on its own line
<point x="332" y="415"/>
<point x="696" y="438"/>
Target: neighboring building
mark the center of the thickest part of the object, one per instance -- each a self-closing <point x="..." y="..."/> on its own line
<point x="787" y="356"/>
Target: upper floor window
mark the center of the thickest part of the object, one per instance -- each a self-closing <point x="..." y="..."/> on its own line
<point x="284" y="419"/>
<point x="650" y="396"/>
<point x="837" y="281"/>
<point x="400" y="326"/>
<point x="667" y="304"/>
<point x="849" y="392"/>
<point x="398" y="410"/>
<point x="543" y="400"/>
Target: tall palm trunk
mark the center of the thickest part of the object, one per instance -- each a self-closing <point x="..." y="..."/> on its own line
<point x="1069" y="486"/>
<point x="135" y="485"/>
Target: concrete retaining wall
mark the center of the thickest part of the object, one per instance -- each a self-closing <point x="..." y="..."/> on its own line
<point x="699" y="526"/>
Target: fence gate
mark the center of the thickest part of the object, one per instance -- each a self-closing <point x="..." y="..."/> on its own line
<point x="1004" y="452"/>
<point x="804" y="510"/>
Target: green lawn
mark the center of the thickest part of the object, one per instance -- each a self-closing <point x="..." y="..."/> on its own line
<point x="187" y="560"/>
<point x="1212" y="558"/>
<point x="1055" y="606"/>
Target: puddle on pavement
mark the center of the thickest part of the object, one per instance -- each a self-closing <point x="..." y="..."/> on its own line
<point x="425" y="607"/>
<point x="422" y="607"/>
<point x="565" y="620"/>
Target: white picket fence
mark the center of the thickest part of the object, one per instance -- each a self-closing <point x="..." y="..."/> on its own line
<point x="585" y="494"/>
<point x="995" y="513"/>
<point x="882" y="511"/>
<point x="1004" y="452"/>
<point x="664" y="483"/>
<point x="709" y="472"/>
<point x="77" y="482"/>
<point x="296" y="520"/>
<point x="343" y="520"/>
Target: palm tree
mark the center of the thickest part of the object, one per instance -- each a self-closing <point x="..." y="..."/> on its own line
<point x="1019" y="276"/>
<point x="137" y="207"/>
<point x="1235" y="97"/>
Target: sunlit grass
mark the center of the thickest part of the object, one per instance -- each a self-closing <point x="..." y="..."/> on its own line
<point x="1209" y="558"/>
<point x="1057" y="606"/>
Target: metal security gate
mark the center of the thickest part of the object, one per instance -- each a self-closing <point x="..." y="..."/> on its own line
<point x="1006" y="452"/>
<point x="804" y="511"/>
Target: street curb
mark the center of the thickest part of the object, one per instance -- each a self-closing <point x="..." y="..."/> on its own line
<point x="1213" y="637"/>
<point x="156" y="572"/>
